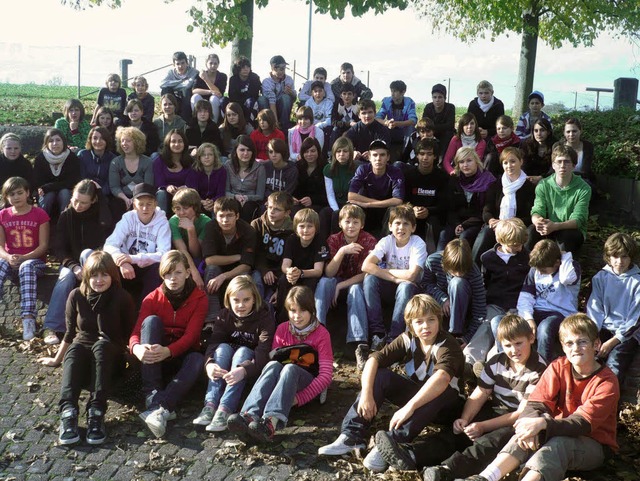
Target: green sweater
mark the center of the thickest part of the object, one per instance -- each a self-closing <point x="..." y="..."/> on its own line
<point x="560" y="204"/>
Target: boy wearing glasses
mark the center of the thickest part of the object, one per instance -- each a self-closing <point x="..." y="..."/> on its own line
<point x="561" y="207"/>
<point x="569" y="421"/>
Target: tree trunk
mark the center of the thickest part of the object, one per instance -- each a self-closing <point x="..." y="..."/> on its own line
<point x="243" y="47"/>
<point x="526" y="70"/>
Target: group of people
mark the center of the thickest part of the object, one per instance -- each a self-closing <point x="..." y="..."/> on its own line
<point x="196" y="263"/>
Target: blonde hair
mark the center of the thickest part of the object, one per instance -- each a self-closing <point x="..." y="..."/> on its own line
<point x="484" y="84"/>
<point x="464" y="153"/>
<point x="419" y="306"/>
<point x="240" y="283"/>
<point x="139" y="139"/>
<point x="10" y="136"/>
<point x="197" y="163"/>
<point x="511" y="231"/>
<point x="578" y="323"/>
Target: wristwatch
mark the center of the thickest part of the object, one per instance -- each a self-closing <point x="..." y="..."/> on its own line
<point x="301" y="274"/>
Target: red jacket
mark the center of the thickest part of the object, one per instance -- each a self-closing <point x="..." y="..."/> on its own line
<point x="182" y="328"/>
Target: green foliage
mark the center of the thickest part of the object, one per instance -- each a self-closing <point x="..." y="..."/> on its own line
<point x="615" y="135"/>
<point x="559" y="21"/>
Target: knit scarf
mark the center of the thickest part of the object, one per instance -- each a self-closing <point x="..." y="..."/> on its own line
<point x="55" y="161"/>
<point x="97" y="301"/>
<point x="302" y="334"/>
<point x="178" y="298"/>
<point x="509" y="188"/>
<point x="502" y="144"/>
<point x="468" y="140"/>
<point x="486" y="107"/>
<point x="296" y="140"/>
<point x="477" y="184"/>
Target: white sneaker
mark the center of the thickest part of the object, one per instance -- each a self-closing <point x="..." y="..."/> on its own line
<point x="218" y="422"/>
<point x="28" y="328"/>
<point x="343" y="445"/>
<point x="374" y="461"/>
<point x="205" y="416"/>
<point x="157" y="421"/>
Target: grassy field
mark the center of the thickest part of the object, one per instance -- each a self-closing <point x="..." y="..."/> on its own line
<point x="30" y="104"/>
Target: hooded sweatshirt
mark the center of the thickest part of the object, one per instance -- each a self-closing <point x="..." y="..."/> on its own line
<point x="181" y="83"/>
<point x="614" y="303"/>
<point x="285" y="178"/>
<point x="144" y="243"/>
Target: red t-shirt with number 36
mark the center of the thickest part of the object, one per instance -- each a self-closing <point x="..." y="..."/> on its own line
<point x="22" y="231"/>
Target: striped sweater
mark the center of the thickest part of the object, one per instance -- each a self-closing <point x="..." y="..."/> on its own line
<point x="435" y="282"/>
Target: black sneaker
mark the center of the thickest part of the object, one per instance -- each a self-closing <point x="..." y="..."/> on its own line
<point x="437" y="473"/>
<point x="96" y="432"/>
<point x="262" y="430"/>
<point x="239" y="423"/>
<point x="394" y="453"/>
<point x="68" y="433"/>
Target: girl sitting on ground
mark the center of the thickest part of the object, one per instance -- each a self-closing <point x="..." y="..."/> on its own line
<point x="467" y="135"/>
<point x="24" y="240"/>
<point x="301" y="370"/>
<point x="202" y="128"/>
<point x="12" y="162"/>
<point x="169" y="120"/>
<point x="237" y="352"/>
<point x="81" y="228"/>
<point x="103" y="117"/>
<point x="166" y="340"/>
<point x="99" y="318"/>
<point x="134" y="117"/>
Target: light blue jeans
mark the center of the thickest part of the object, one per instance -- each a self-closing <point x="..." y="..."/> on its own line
<point x="218" y="393"/>
<point x="357" y="329"/>
<point x="60" y="199"/>
<point x="375" y="289"/>
<point x="275" y="390"/>
<point x="284" y="104"/>
<point x="67" y="281"/>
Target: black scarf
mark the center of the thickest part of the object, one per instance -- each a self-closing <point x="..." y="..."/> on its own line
<point x="178" y="298"/>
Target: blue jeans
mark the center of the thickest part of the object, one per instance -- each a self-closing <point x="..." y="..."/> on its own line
<point x="459" y="290"/>
<point x="265" y="291"/>
<point x="398" y="389"/>
<point x="374" y="290"/>
<point x="67" y="281"/>
<point x="61" y="199"/>
<point x="218" y="393"/>
<point x="356" y="307"/>
<point x="185" y="370"/>
<point x="284" y="104"/>
<point x="275" y="390"/>
<point x="620" y="357"/>
<point x="448" y="234"/>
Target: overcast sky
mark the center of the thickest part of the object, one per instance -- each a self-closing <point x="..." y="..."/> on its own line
<point x="43" y="48"/>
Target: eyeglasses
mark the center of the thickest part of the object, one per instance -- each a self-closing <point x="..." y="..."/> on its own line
<point x="581" y="343"/>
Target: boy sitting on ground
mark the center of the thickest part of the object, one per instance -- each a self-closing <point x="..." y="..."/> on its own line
<point x="433" y="364"/>
<point x="348" y="250"/>
<point x="364" y="132"/>
<point x="272" y="227"/>
<point x="569" y="421"/>
<point x="614" y="304"/>
<point x="483" y="427"/>
<point x="394" y="268"/>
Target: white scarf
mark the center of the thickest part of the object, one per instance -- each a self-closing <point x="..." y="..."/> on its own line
<point x="485" y="107"/>
<point x="55" y="161"/>
<point x="508" y="203"/>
